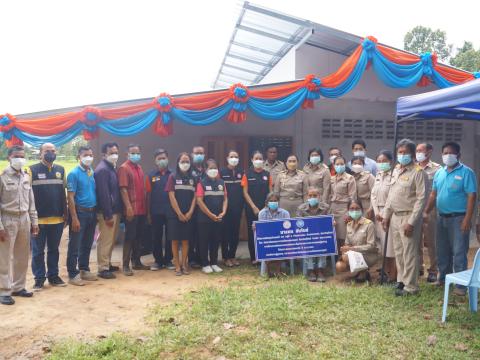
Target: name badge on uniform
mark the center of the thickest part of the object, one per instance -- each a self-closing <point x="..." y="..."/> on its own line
<point x="179" y="182"/>
<point x="208" y="188"/>
<point x="458" y="177"/>
<point x="239" y="176"/>
<point x="42" y="176"/>
<point x="265" y="178"/>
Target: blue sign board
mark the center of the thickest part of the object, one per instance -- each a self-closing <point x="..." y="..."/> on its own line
<point x="295" y="238"/>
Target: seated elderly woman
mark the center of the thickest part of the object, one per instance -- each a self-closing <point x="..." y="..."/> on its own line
<point x="360" y="238"/>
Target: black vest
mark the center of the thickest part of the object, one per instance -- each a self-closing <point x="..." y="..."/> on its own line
<point x="49" y="189"/>
<point x="184" y="187"/>
<point x="159" y="202"/>
<point x="213" y="195"/>
<point x="258" y="187"/>
<point x="233" y="182"/>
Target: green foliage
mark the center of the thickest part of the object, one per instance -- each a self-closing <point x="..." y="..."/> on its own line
<point x="423" y="39"/>
<point x="291" y="319"/>
<point x="467" y="58"/>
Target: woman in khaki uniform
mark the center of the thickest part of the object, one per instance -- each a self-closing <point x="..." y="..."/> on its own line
<point x="360" y="238"/>
<point x="364" y="181"/>
<point x="317" y="174"/>
<point x="289" y="185"/>
<point x="378" y="200"/>
<point x="343" y="190"/>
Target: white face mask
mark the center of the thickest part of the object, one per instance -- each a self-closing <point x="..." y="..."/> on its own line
<point x="87" y="160"/>
<point x="420" y="156"/>
<point x="449" y="159"/>
<point x="112" y="158"/>
<point x="332" y="158"/>
<point x="17" y="163"/>
<point x="184" y="166"/>
<point x="315" y="160"/>
<point x="257" y="164"/>
<point x="357" y="168"/>
<point x="359" y="153"/>
<point x="212" y="173"/>
<point x="232" y="161"/>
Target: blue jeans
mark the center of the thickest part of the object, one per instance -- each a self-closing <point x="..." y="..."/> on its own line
<point x="452" y="246"/>
<point x="80" y="243"/>
<point x="49" y="235"/>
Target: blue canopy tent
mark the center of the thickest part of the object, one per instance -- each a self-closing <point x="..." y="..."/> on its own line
<point x="461" y="102"/>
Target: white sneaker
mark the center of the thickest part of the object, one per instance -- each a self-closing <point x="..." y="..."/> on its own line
<point x="207" y="270"/>
<point x="87" y="276"/>
<point x="77" y="281"/>
<point x="216" y="268"/>
<point x="155" y="267"/>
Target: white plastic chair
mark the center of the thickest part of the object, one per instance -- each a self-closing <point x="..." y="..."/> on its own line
<point x="469" y="278"/>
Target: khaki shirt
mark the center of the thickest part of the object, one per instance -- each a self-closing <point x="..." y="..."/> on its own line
<point x="380" y="191"/>
<point x="361" y="236"/>
<point x="277" y="167"/>
<point x="343" y="188"/>
<point x="290" y="185"/>
<point x="319" y="178"/>
<point x="364" y="181"/>
<point x="407" y="192"/>
<point x="16" y="195"/>
<point x="305" y="210"/>
<point x="430" y="169"/>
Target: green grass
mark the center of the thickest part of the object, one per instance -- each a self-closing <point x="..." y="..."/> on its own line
<point x="67" y="164"/>
<point x="251" y="318"/>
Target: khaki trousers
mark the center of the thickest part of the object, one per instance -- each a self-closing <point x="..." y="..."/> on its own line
<point x="428" y="240"/>
<point x="106" y="241"/>
<point x="14" y="253"/>
<point x="406" y="251"/>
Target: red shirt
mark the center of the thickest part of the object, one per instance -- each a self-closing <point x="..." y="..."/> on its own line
<point x="131" y="177"/>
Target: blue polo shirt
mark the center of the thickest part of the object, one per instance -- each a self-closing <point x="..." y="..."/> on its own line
<point x="82" y="183"/>
<point x="453" y="188"/>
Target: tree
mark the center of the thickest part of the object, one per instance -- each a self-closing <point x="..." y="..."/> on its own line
<point x="422" y="39"/>
<point x="467" y="58"/>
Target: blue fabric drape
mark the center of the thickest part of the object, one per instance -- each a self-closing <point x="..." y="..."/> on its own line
<point x="277" y="109"/>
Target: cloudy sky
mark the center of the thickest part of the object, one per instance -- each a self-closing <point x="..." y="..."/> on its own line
<point x="66" y="53"/>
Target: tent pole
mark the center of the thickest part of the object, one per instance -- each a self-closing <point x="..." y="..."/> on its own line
<point x="395" y="140"/>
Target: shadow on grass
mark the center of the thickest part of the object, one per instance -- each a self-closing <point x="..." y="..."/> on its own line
<point x="251" y="318"/>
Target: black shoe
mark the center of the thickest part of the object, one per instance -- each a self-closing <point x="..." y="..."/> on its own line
<point x="113" y="268"/>
<point x="127" y="271"/>
<point x="432" y="277"/>
<point x="22" y="293"/>
<point x="421" y="273"/>
<point x="399" y="286"/>
<point x="195" y="265"/>
<point x="401" y="292"/>
<point x="140" y="266"/>
<point x="105" y="274"/>
<point x="38" y="284"/>
<point x="7" y="300"/>
<point x="56" y="281"/>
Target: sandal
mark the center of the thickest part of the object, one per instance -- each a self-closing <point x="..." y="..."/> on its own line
<point x="178" y="272"/>
<point x="185" y="271"/>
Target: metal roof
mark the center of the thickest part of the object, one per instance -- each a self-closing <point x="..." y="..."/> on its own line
<point x="262" y="37"/>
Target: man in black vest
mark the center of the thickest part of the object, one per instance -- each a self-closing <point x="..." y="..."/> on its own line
<point x="48" y="183"/>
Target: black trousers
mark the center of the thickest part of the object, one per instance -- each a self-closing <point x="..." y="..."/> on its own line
<point x="231" y="231"/>
<point x="209" y="242"/>
<point x="251" y="238"/>
<point x="133" y="237"/>
<point x="159" y="227"/>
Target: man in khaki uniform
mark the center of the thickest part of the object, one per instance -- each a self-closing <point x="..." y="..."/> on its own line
<point x="423" y="157"/>
<point x="17" y="217"/>
<point x="272" y="165"/>
<point x="403" y="212"/>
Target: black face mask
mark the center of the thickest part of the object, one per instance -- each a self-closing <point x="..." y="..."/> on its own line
<point x="49" y="157"/>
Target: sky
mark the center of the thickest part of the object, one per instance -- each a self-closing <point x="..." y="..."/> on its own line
<point x="65" y="53"/>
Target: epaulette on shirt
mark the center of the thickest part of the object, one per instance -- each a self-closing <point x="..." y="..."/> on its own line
<point x="367" y="221"/>
<point x="418" y="168"/>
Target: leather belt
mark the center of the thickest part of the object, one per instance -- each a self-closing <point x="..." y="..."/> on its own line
<point x="452" y="215"/>
<point x="84" y="209"/>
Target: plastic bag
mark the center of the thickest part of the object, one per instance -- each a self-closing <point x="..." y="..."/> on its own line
<point x="356" y="261"/>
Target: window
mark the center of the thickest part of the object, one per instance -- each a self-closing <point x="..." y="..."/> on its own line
<point x="284" y="144"/>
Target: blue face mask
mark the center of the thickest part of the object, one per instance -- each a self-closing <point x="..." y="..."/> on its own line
<point x="273" y="205"/>
<point x="383" y="166"/>
<point x="404" y="159"/>
<point x="355" y="214"/>
<point x="339" y="169"/>
<point x="312" y="202"/>
<point x="135" y="158"/>
<point x="315" y="160"/>
<point x="198" y="158"/>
